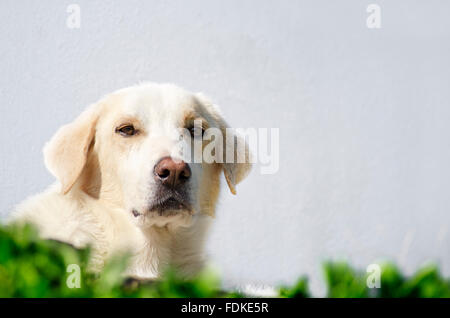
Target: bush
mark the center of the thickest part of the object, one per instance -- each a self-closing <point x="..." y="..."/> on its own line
<point x="31" y="267"/>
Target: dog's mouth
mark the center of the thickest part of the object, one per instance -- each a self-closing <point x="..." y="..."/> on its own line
<point x="167" y="206"/>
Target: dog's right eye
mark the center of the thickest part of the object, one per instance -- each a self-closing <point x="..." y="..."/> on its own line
<point x="196" y="131"/>
<point x="126" y="130"/>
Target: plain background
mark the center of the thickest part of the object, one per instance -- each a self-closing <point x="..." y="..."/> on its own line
<point x="363" y="115"/>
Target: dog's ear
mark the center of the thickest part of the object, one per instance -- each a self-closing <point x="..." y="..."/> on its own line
<point x="236" y="148"/>
<point x="240" y="167"/>
<point x="66" y="153"/>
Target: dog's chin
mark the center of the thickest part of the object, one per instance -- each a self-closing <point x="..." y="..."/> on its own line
<point x="170" y="212"/>
<point x="169" y="207"/>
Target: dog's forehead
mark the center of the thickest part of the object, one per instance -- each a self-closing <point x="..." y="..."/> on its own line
<point x="154" y="103"/>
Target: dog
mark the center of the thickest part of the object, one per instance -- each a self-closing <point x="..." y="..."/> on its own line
<point x="123" y="186"/>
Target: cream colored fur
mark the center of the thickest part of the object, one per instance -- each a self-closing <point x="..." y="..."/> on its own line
<point x="102" y="177"/>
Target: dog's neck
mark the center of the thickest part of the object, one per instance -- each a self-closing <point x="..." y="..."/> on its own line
<point x="180" y="248"/>
<point x="153" y="248"/>
<point x="153" y="253"/>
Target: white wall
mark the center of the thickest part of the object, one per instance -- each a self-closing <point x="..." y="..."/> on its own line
<point x="363" y="116"/>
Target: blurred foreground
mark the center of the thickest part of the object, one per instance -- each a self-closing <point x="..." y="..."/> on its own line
<point x="31" y="267"/>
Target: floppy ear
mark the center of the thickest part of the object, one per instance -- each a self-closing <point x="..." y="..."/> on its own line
<point x="66" y="153"/>
<point x="236" y="171"/>
<point x="235" y="147"/>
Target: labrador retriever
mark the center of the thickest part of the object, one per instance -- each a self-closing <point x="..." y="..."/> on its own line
<point x="124" y="186"/>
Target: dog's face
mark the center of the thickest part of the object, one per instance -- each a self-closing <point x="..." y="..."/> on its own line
<point x="134" y="149"/>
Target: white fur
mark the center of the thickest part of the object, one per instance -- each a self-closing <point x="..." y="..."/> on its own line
<point x="102" y="177"/>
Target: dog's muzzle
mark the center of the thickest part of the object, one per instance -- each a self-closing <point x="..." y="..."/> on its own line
<point x="172" y="196"/>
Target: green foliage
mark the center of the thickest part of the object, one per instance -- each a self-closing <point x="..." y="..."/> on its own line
<point x="344" y="282"/>
<point x="299" y="290"/>
<point x="425" y="283"/>
<point x="31" y="267"/>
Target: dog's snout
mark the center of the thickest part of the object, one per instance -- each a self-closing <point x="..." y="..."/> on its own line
<point x="172" y="173"/>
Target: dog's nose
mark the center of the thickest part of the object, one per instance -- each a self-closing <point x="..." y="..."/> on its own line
<point x="172" y="173"/>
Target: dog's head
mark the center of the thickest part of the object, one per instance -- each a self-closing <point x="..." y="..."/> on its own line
<point x="134" y="149"/>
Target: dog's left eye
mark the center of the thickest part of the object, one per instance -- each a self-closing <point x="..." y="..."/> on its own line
<point x="126" y="130"/>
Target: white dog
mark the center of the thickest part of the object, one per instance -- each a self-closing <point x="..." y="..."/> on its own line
<point x="122" y="186"/>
